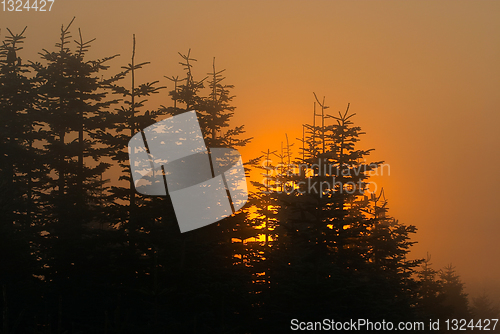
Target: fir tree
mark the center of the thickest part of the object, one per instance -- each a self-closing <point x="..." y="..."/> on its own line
<point x="141" y="223"/>
<point x="71" y="102"/>
<point x="20" y="171"/>
<point x="455" y="299"/>
<point x="207" y="255"/>
<point x="430" y="297"/>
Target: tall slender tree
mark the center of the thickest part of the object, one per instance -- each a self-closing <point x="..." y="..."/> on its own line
<point x="71" y="104"/>
<point x="208" y="254"/>
<point x="133" y="216"/>
<point x="19" y="173"/>
<point x="430" y="297"/>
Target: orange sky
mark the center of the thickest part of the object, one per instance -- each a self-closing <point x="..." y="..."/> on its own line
<point x="423" y="78"/>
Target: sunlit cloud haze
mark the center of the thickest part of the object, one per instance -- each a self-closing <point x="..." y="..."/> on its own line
<point x="423" y="78"/>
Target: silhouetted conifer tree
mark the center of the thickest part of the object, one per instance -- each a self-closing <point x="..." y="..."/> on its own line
<point x="208" y="258"/>
<point x="20" y="172"/>
<point x="71" y="103"/>
<point x="430" y="296"/>
<point x="140" y="220"/>
<point x="455" y="299"/>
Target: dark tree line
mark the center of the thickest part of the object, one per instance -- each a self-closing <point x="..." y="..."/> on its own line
<point x="82" y="252"/>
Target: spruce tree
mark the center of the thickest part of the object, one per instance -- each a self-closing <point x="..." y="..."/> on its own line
<point x="337" y="246"/>
<point x="128" y="119"/>
<point x="430" y="296"/>
<point x="71" y="104"/>
<point x="139" y="221"/>
<point x="19" y="172"/>
<point x="455" y="298"/>
<point x="206" y="256"/>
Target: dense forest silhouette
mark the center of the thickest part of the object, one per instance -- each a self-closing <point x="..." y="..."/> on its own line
<point x="82" y="252"/>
